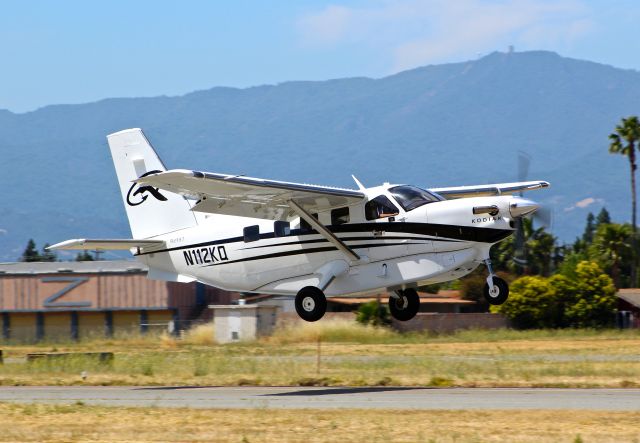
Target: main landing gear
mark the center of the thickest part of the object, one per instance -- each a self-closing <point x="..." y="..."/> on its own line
<point x="404" y="304"/>
<point x="496" y="290"/>
<point x="311" y="304"/>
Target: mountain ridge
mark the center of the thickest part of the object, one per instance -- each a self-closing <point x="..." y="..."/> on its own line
<point x="438" y="125"/>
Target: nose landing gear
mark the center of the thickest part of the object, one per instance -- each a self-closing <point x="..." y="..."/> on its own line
<point x="496" y="290"/>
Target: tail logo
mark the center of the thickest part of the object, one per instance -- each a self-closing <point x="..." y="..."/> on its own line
<point x="137" y="197"/>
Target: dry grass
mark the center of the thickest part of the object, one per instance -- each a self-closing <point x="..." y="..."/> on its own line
<point x="54" y="423"/>
<point x="200" y="335"/>
<point x="350" y="354"/>
<point x="334" y="331"/>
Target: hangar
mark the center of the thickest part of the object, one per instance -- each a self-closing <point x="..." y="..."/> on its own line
<point x="74" y="300"/>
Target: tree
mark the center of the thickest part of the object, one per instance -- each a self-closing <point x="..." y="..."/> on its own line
<point x="30" y="252"/>
<point x="502" y="255"/>
<point x="592" y="300"/>
<point x="533" y="302"/>
<point x="603" y="217"/>
<point x="84" y="256"/>
<point x="570" y="263"/>
<point x="373" y="313"/>
<point x="586" y="298"/>
<point x="47" y="255"/>
<point x="541" y="248"/>
<point x="541" y="251"/>
<point x="611" y="247"/>
<point x="589" y="229"/>
<point x="623" y="141"/>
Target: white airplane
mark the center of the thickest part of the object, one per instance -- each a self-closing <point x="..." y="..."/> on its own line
<point x="252" y="235"/>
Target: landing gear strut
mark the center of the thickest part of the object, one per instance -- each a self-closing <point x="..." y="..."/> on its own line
<point x="311" y="304"/>
<point x="404" y="304"/>
<point x="496" y="290"/>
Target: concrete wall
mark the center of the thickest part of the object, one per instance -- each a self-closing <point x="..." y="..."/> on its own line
<point x="235" y="323"/>
<point x="451" y="322"/>
<point x="267" y="320"/>
<point x="243" y="322"/>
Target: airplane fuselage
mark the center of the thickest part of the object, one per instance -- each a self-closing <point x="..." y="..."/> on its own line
<point x="435" y="242"/>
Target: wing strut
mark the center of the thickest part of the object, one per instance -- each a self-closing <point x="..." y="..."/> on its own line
<point x="322" y="230"/>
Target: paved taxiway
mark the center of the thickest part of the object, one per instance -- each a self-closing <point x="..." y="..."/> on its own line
<point x="329" y="398"/>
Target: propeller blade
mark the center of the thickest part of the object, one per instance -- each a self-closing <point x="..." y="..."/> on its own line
<point x="519" y="256"/>
<point x="544" y="216"/>
<point x="524" y="160"/>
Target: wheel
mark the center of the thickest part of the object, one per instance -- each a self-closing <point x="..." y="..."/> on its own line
<point x="311" y="304"/>
<point x="500" y="291"/>
<point x="405" y="306"/>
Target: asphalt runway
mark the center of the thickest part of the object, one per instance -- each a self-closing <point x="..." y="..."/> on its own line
<point x="329" y="398"/>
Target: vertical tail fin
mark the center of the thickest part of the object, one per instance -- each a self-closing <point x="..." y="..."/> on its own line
<point x="150" y="211"/>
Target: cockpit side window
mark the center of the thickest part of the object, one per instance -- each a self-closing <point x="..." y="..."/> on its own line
<point x="412" y="197"/>
<point x="380" y="207"/>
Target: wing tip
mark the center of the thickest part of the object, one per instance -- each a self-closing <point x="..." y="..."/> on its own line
<point x="66" y="244"/>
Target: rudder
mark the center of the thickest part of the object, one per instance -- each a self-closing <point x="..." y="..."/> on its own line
<point x="150" y="211"/>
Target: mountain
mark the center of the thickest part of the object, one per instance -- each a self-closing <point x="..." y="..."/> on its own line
<point x="451" y="124"/>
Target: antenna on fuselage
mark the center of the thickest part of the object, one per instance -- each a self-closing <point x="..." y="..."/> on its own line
<point x="360" y="185"/>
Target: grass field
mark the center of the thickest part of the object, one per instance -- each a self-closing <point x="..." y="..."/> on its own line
<point x="77" y="422"/>
<point x="343" y="353"/>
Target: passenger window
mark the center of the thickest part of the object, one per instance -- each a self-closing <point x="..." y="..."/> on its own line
<point x="251" y="233"/>
<point x="281" y="228"/>
<point x="304" y="226"/>
<point x="380" y="207"/>
<point x="340" y="216"/>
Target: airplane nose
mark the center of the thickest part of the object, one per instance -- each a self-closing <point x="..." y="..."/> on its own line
<point x="521" y="206"/>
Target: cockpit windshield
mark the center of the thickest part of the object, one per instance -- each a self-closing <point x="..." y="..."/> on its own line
<point x="411" y="197"/>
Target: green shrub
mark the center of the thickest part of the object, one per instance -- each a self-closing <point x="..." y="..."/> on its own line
<point x="586" y="299"/>
<point x="533" y="303"/>
<point x="591" y="302"/>
<point x="373" y="313"/>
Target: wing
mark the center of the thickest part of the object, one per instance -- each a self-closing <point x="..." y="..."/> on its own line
<point x="248" y="196"/>
<point x="106" y="244"/>
<point x="485" y="190"/>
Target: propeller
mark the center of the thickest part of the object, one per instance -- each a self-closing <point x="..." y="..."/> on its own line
<point x="542" y="217"/>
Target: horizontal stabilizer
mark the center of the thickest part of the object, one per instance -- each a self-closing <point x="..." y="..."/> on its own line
<point x="106" y="244"/>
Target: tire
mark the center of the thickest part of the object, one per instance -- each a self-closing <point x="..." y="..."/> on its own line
<point x="501" y="292"/>
<point x="311" y="304"/>
<point x="406" y="306"/>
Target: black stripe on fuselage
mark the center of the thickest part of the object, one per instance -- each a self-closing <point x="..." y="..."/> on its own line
<point x="304" y="251"/>
<point x="346" y="239"/>
<point x="451" y="232"/>
<point x="439" y="231"/>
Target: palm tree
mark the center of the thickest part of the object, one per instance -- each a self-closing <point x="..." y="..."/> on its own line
<point x="623" y="141"/>
<point x="611" y="243"/>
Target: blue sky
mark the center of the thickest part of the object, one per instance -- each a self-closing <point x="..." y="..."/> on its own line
<point x="61" y="51"/>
